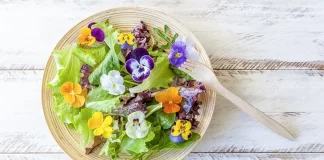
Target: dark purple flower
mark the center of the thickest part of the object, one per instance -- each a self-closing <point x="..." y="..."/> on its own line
<point x="176" y="139"/>
<point x="137" y="54"/>
<point x="141" y="69"/>
<point x="98" y="34"/>
<point x="177" y="54"/>
<point x="90" y="24"/>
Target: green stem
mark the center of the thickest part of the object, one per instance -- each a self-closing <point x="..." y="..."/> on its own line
<point x="129" y="82"/>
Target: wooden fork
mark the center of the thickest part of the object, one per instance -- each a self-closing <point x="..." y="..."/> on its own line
<point x="205" y="75"/>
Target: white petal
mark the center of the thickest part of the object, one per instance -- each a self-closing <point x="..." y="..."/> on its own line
<point x="119" y="88"/>
<point x="186" y="40"/>
<point x="105" y="82"/>
<point x="143" y="126"/>
<point x="142" y="134"/>
<point x="131" y="131"/>
<point x="192" y="53"/>
<point x="114" y="73"/>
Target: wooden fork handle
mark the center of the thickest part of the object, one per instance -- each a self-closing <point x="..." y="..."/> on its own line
<point x="252" y="111"/>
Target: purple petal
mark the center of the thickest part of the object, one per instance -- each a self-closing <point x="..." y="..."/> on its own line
<point x="137" y="54"/>
<point x="147" y="61"/>
<point x="176" y="60"/>
<point x="177" y="54"/>
<point x="90" y="24"/>
<point x="126" y="46"/>
<point x="176" y="139"/>
<point x="140" y="74"/>
<point x="131" y="65"/>
<point x="178" y="47"/>
<point x="98" y="34"/>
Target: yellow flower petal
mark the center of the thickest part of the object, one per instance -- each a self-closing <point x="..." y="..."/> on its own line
<point x="92" y="40"/>
<point x="98" y="131"/>
<point x="66" y="88"/>
<point x="121" y="39"/>
<point x="79" y="101"/>
<point x="175" y="131"/>
<point x="130" y="38"/>
<point x="186" y="135"/>
<point x="77" y="89"/>
<point x="69" y="98"/>
<point x="187" y="125"/>
<point x="107" y="132"/>
<point x="84" y="92"/>
<point x="95" y="121"/>
<point x="108" y="120"/>
<point x="86" y="32"/>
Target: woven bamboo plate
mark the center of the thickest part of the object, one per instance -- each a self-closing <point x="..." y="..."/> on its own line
<point x="124" y="18"/>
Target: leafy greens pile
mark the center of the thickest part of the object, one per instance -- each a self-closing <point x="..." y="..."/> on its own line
<point x="133" y="103"/>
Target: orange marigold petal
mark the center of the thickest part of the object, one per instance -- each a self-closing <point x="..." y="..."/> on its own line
<point x="176" y="99"/>
<point x="69" y="98"/>
<point x="79" y="101"/>
<point x="161" y="97"/>
<point x="171" y="108"/>
<point x="77" y="88"/>
<point x="167" y="109"/>
<point x="66" y="88"/>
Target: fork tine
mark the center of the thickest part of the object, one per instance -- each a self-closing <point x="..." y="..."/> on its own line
<point x="192" y="62"/>
<point x="188" y="65"/>
<point x="185" y="69"/>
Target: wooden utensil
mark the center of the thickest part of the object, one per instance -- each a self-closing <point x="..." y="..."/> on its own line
<point x="204" y="74"/>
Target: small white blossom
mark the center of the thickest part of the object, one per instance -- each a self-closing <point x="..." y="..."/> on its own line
<point x="113" y="82"/>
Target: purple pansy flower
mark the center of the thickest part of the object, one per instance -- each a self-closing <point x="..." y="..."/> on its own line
<point x="182" y="49"/>
<point x="98" y="34"/>
<point x="176" y="139"/>
<point x="139" y="65"/>
<point x="90" y="24"/>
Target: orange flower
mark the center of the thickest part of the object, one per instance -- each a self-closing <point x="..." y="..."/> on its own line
<point x="169" y="99"/>
<point x="86" y="37"/>
<point x="73" y="94"/>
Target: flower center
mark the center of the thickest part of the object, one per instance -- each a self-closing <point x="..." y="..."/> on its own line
<point x="114" y="86"/>
<point x="72" y="92"/>
<point x="89" y="38"/>
<point x="178" y="55"/>
<point x="182" y="129"/>
<point x="170" y="102"/>
<point x="136" y="122"/>
<point x="141" y="67"/>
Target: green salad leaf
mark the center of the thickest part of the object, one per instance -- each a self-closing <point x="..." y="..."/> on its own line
<point x="159" y="77"/>
<point x="112" y="146"/>
<point x="152" y="108"/>
<point x="135" y="146"/>
<point x="64" y="111"/>
<point x="67" y="65"/>
<point x="181" y="74"/>
<point x="98" y="94"/>
<point x="81" y="126"/>
<point x="91" y="56"/>
<point x="104" y="105"/>
<point x="165" y="120"/>
<point x="110" y="62"/>
<point x="164" y="39"/>
<point x="166" y="143"/>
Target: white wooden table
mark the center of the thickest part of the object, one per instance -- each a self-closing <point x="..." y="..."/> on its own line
<point x="269" y="52"/>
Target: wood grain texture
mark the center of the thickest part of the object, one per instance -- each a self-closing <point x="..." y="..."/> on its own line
<point x="231" y="130"/>
<point x="237" y="35"/>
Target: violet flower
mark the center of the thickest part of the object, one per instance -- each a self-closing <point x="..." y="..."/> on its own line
<point x="97" y="32"/>
<point x="139" y="64"/>
<point x="182" y="49"/>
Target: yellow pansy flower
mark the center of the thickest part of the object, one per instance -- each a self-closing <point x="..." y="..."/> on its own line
<point x="86" y="37"/>
<point x="126" y="37"/>
<point x="73" y="94"/>
<point x="101" y="126"/>
<point x="182" y="127"/>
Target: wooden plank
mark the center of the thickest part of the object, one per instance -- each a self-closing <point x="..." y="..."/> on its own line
<point x="191" y="156"/>
<point x="254" y="156"/>
<point x="50" y="156"/>
<point x="237" y="35"/>
<point x="287" y="96"/>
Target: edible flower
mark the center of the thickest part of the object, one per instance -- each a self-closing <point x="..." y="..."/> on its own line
<point x="113" y="82"/>
<point x="139" y="66"/>
<point x="73" y="94"/>
<point x="89" y="36"/>
<point x="126" y="40"/>
<point x="169" y="99"/>
<point x="102" y="127"/>
<point x="181" y="128"/>
<point x="136" y="126"/>
<point x="182" y="49"/>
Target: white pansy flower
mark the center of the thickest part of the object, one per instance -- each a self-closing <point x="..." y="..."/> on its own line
<point x="136" y="126"/>
<point x="113" y="82"/>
